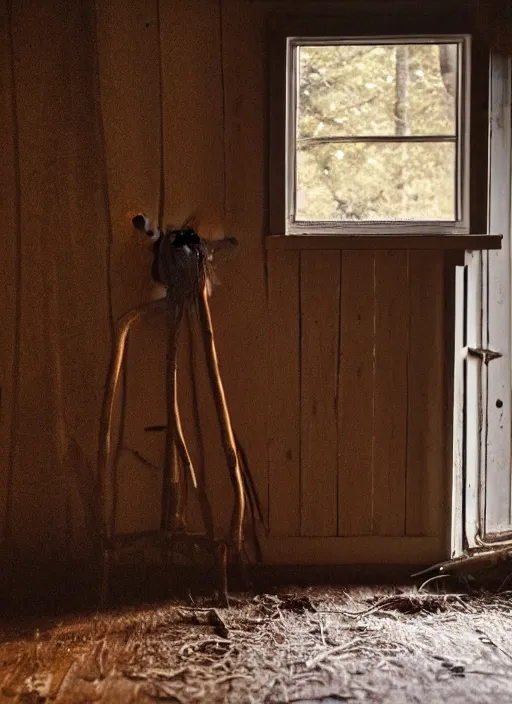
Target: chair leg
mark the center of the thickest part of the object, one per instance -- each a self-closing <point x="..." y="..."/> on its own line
<point x="227" y="436"/>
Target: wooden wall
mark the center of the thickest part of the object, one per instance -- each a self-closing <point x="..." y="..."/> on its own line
<point x="333" y="361"/>
<point x="359" y="343"/>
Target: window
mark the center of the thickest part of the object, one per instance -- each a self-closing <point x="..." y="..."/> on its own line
<point x="376" y="133"/>
<point x="373" y="133"/>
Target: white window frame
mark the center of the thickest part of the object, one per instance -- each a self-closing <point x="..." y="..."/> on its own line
<point x="460" y="226"/>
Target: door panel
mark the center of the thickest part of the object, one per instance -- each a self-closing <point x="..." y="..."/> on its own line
<point x="496" y="323"/>
<point x="488" y="426"/>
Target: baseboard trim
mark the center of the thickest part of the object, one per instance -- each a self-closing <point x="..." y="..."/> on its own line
<point x="367" y="550"/>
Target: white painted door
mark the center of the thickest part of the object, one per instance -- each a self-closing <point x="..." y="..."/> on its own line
<point x="486" y="357"/>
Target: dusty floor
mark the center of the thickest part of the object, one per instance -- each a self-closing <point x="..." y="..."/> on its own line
<point x="295" y="646"/>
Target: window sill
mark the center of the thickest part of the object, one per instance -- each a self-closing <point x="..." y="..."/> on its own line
<point x="439" y="242"/>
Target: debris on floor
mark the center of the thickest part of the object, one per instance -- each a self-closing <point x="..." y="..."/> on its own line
<point x="298" y="645"/>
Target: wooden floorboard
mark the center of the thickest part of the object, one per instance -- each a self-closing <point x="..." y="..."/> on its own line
<point x="191" y="654"/>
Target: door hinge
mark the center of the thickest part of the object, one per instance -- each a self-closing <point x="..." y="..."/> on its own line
<point x="485" y="355"/>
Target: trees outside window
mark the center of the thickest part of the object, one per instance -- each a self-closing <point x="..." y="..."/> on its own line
<point x="376" y="131"/>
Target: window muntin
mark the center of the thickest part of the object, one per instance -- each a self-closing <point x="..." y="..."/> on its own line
<point x="377" y="134"/>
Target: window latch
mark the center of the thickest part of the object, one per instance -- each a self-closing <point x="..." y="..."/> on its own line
<point x="485" y="355"/>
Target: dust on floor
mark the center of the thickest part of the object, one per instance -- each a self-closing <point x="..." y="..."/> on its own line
<point x="302" y="645"/>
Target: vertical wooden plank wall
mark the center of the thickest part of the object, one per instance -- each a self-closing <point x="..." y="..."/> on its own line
<point x="356" y="404"/>
<point x="194" y="178"/>
<point x="160" y="107"/>
<point x="319" y="320"/>
<point x="426" y="435"/>
<point x="9" y="263"/>
<point x="390" y="436"/>
<point x="390" y="392"/>
<point x="128" y="38"/>
<point x="129" y="73"/>
<point x="284" y="426"/>
<point x="240" y="306"/>
<point x="81" y="118"/>
<point x="63" y="325"/>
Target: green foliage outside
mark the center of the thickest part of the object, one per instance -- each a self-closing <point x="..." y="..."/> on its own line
<point x="367" y="91"/>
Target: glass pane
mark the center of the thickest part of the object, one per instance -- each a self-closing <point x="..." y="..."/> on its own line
<point x="376" y="181"/>
<point x="380" y="89"/>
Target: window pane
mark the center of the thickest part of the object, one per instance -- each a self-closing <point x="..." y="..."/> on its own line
<point x="380" y="89"/>
<point x="376" y="181"/>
